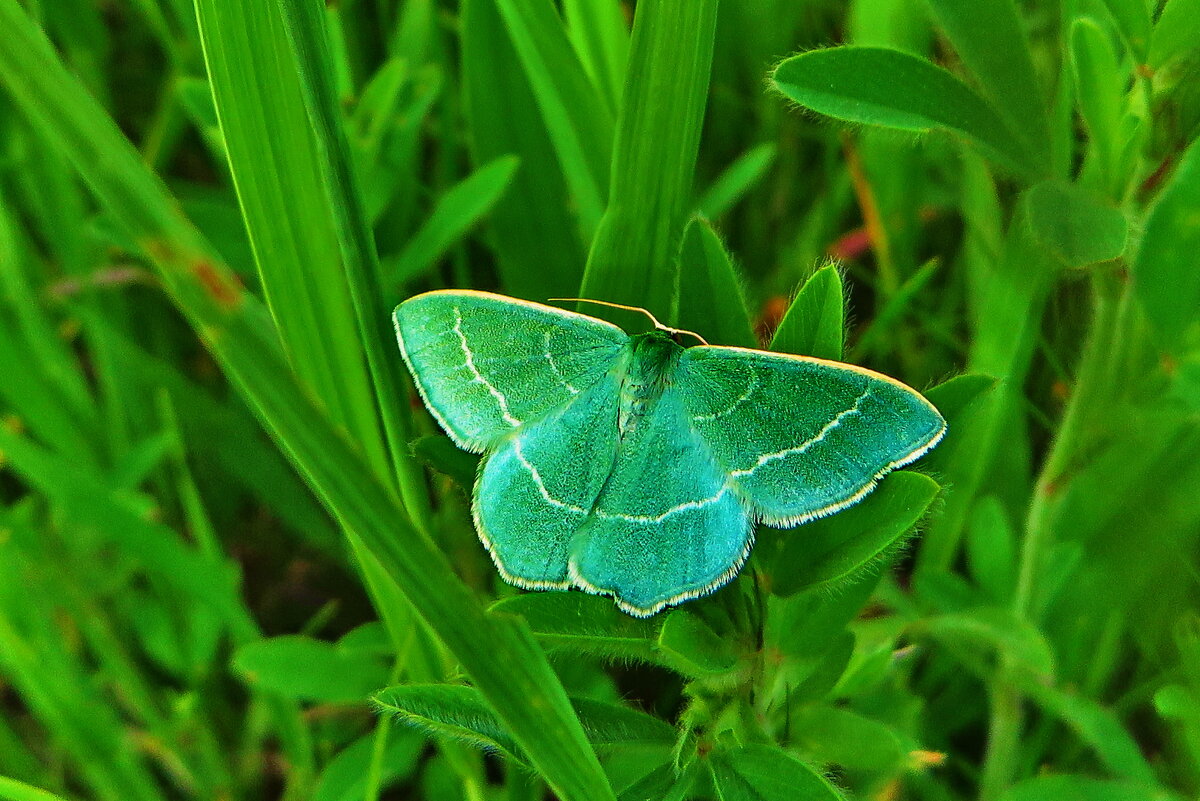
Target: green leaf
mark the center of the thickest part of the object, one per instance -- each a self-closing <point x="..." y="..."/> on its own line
<point x="992" y="550"/>
<point x="439" y="453"/>
<point x="1074" y="225"/>
<point x="993" y="630"/>
<point x="1134" y="22"/>
<point x="835" y="735"/>
<point x="305" y="669"/>
<point x="804" y="627"/>
<point x="1165" y="278"/>
<point x="891" y="89"/>
<point x="460" y="713"/>
<point x="1176" y="33"/>
<point x="767" y="773"/>
<point x="989" y="36"/>
<point x="1084" y="788"/>
<point x="953" y="397"/>
<point x="345" y="777"/>
<point x="13" y="790"/>
<point x="586" y="624"/>
<point x="455" y="213"/>
<point x="832" y="550"/>
<point x="656" y="784"/>
<point x="535" y="223"/>
<point x="1099" y="89"/>
<point x="634" y="255"/>
<point x="578" y="121"/>
<point x="815" y="323"/>
<point x="711" y="300"/>
<point x="1095" y="725"/>
<point x="737" y="179"/>
<point x="693" y="648"/>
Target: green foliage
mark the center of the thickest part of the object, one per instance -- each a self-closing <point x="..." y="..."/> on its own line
<point x="237" y="559"/>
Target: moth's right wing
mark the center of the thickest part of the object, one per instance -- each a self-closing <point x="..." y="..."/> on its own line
<point x="801" y="437"/>
<point x="487" y="364"/>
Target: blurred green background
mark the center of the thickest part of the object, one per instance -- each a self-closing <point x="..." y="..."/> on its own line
<point x="227" y="525"/>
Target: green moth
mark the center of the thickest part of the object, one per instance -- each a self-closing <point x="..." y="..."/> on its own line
<point x="633" y="466"/>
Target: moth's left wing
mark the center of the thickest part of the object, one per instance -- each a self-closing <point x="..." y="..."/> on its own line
<point x="801" y="437"/>
<point x="487" y="364"/>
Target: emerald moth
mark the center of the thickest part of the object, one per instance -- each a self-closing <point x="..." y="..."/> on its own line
<point x="633" y="466"/>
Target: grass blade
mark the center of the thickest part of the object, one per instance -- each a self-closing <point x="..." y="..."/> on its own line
<point x="457" y="210"/>
<point x="633" y="258"/>
<point x="535" y="230"/>
<point x="578" y="121"/>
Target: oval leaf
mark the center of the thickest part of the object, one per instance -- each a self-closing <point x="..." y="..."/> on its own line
<point x="767" y="773"/>
<point x="311" y="670"/>
<point x="891" y="89"/>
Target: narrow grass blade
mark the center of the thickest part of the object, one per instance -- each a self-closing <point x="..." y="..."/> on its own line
<point x="736" y="180"/>
<point x="601" y="38"/>
<point x="633" y="258"/>
<point x="573" y="112"/>
<point x="456" y="211"/>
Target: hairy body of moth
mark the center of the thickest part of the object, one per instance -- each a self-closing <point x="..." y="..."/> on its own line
<point x="650" y="362"/>
<point x="635" y="467"/>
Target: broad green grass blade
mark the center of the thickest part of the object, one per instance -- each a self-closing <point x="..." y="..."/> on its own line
<point x="633" y="258"/>
<point x="272" y="148"/>
<point x="534" y="228"/>
<point x="315" y="265"/>
<point x="877" y="86"/>
<point x="990" y="38"/>
<point x="499" y="654"/>
<point x="573" y="111"/>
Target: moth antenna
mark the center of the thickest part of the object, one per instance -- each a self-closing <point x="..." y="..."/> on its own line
<point x="646" y="312"/>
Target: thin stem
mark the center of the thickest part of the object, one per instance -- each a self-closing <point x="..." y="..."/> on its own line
<point x="1093" y="382"/>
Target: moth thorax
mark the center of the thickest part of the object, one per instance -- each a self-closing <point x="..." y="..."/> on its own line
<point x="654" y="357"/>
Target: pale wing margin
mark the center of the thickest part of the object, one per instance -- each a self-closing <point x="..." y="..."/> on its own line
<point x="802" y="437"/>
<point x="487" y="364"/>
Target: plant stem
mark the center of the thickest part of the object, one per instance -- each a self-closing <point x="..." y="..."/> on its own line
<point x="1007" y="713"/>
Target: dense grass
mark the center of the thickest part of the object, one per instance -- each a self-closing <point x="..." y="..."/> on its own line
<point x="236" y="557"/>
